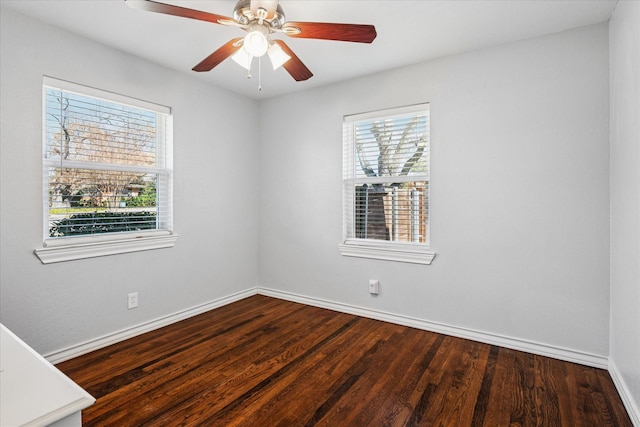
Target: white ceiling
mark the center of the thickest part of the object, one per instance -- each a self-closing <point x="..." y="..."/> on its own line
<point x="408" y="32"/>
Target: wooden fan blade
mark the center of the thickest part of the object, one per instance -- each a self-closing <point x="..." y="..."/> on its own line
<point x="327" y="31"/>
<point x="168" y="9"/>
<point x="294" y="65"/>
<point x="225" y="51"/>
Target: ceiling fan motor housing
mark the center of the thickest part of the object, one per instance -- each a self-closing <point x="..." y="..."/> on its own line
<point x="243" y="14"/>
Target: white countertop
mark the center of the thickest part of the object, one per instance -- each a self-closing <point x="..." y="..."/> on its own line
<point x="33" y="392"/>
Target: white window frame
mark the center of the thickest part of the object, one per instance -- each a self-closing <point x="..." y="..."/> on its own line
<point x="418" y="253"/>
<point x="88" y="246"/>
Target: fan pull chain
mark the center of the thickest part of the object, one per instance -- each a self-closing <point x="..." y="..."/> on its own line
<point x="249" y="68"/>
<point x="260" y="74"/>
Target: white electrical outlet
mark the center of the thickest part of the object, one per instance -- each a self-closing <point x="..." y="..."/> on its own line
<point x="374" y="287"/>
<point x="132" y="300"/>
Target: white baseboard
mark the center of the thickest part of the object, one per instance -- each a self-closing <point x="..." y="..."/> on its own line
<point x="555" y="352"/>
<point x="626" y="396"/>
<point x="484" y="337"/>
<point x="98" y="343"/>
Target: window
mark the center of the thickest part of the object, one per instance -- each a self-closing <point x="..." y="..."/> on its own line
<point x="107" y="173"/>
<point x="386" y="185"/>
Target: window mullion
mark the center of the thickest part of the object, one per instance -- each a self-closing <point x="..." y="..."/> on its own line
<point x="390" y="179"/>
<point x="70" y="164"/>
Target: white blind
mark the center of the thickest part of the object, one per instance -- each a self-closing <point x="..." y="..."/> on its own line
<point x="386" y="175"/>
<point x="106" y="162"/>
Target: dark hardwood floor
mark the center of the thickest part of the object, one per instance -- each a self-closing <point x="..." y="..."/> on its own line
<point x="266" y="362"/>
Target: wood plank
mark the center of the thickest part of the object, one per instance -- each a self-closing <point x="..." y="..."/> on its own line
<point x="484" y="394"/>
<point x="262" y="361"/>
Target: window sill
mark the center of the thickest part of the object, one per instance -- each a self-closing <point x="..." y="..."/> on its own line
<point x="387" y="251"/>
<point x="75" y="248"/>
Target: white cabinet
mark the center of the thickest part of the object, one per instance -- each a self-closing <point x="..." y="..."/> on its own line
<point x="33" y="392"/>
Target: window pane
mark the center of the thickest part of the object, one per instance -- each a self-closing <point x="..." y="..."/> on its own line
<point x="86" y="201"/>
<point x="79" y="128"/>
<point x="395" y="146"/>
<point x="392" y="212"/>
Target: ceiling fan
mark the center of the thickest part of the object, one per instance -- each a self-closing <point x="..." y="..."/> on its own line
<point x="260" y="19"/>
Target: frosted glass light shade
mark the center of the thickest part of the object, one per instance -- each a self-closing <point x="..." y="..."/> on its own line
<point x="277" y="55"/>
<point x="243" y="58"/>
<point x="256" y="43"/>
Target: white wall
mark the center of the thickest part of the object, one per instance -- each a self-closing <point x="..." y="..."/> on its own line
<point x="520" y="192"/>
<point x="58" y="305"/>
<point x="625" y="201"/>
